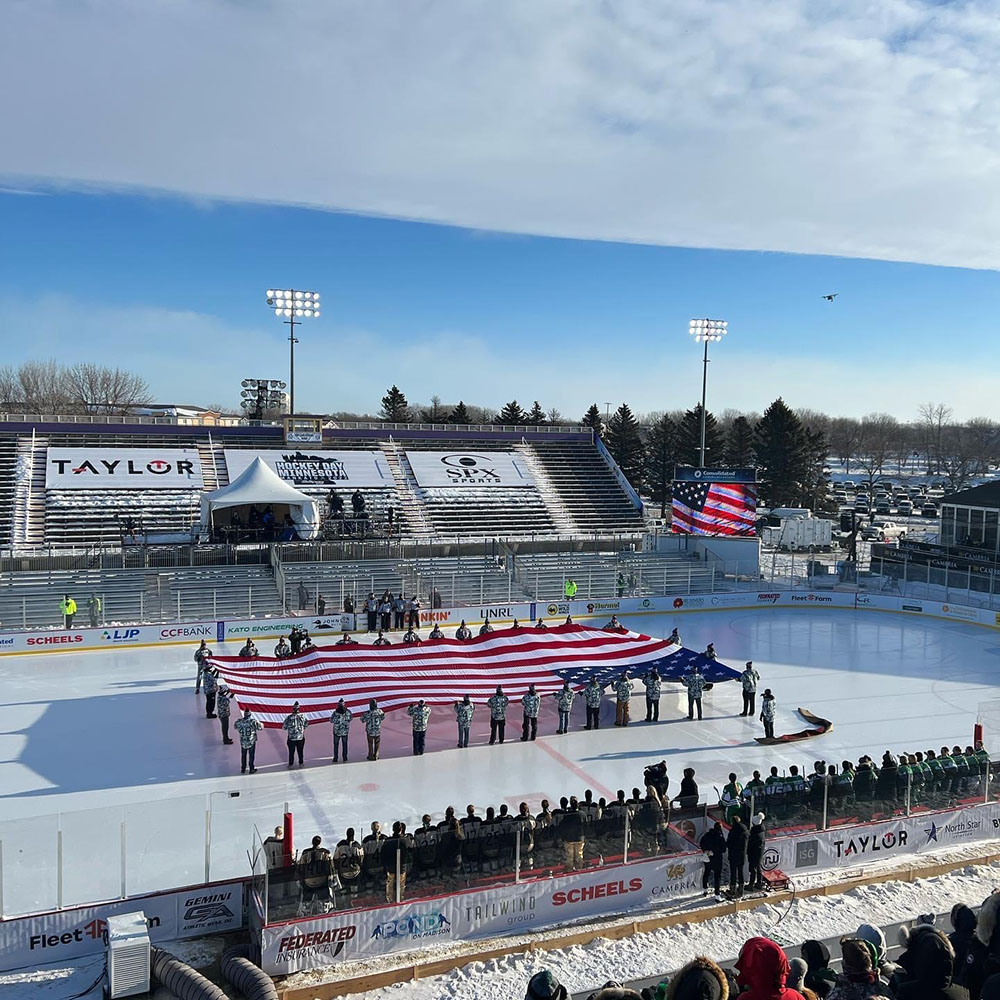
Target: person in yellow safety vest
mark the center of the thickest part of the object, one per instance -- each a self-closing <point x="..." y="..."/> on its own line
<point x="570" y="588"/>
<point x="67" y="608"/>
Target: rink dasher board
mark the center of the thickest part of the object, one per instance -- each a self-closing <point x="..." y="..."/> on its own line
<point x="78" y="931"/>
<point x="312" y="942"/>
<point x="241" y="629"/>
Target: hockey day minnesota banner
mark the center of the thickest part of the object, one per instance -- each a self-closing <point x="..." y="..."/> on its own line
<point x="304" y="466"/>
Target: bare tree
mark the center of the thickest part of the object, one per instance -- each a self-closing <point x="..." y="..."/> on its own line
<point x="93" y="388"/>
<point x="554" y="416"/>
<point x="958" y="461"/>
<point x="984" y="438"/>
<point x="43" y="387"/>
<point x="844" y="435"/>
<point x="934" y="417"/>
<point x="877" y="432"/>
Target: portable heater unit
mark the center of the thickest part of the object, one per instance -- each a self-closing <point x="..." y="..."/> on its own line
<point x="128" y="955"/>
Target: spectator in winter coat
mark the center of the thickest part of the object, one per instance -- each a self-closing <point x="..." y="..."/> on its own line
<point x="687" y="797"/>
<point x="858" y="978"/>
<point x="700" y="979"/>
<point x="970" y="952"/>
<point x="763" y="969"/>
<point x="767" y="714"/>
<point x="736" y="848"/>
<point x="749" y="679"/>
<point x="544" y="986"/>
<point x="886" y="969"/>
<point x="695" y="684"/>
<point x="713" y="843"/>
<point x="885" y="788"/>
<point x="755" y="852"/>
<point x="988" y="932"/>
<point x="933" y="967"/>
<point x="820" y="978"/>
<point x="571" y="834"/>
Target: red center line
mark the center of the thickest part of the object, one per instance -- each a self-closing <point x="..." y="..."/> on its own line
<point x="576" y="769"/>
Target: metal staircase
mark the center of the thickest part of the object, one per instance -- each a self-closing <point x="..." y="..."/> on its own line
<point x="407" y="491"/>
<point x="28" y="522"/>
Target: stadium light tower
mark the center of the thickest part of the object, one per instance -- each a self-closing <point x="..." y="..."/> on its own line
<point x="706" y="331"/>
<point x="294" y="306"/>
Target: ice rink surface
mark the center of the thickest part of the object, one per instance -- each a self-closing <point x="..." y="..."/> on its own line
<point x="106" y="738"/>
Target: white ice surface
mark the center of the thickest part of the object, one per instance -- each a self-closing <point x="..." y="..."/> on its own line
<point x="110" y="737"/>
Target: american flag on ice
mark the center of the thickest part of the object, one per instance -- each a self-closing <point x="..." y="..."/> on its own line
<point x="714" y="508"/>
<point x="443" y="670"/>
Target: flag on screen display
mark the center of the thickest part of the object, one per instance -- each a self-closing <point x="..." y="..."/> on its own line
<point x="714" y="508"/>
<point x="441" y="671"/>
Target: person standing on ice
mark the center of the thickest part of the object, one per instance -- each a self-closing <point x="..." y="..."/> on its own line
<point x="295" y="727"/>
<point x="282" y="649"/>
<point x="497" y="703"/>
<point x="462" y="632"/>
<point x="201" y="655"/>
<point x="675" y="638"/>
<point x="623" y="695"/>
<point x="340" y="719"/>
<point x="695" y="684"/>
<point x="530" y="703"/>
<point x="211" y="688"/>
<point x="767" y="707"/>
<point x="592" y="696"/>
<point x="749" y="679"/>
<point x="564" y="705"/>
<point x="222" y="710"/>
<point x="651" y="682"/>
<point x="419" y="713"/>
<point x="464" y="710"/>
<point x="373" y="728"/>
<point x="247" y="729"/>
<point x="485" y="628"/>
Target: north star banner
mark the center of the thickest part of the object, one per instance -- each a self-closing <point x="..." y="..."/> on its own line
<point x="303" y="466"/>
<point x="122" y="469"/>
<point x="299" y="945"/>
<point x="441" y="671"/>
<point x="469" y="468"/>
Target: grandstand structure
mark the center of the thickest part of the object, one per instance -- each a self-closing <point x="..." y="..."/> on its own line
<point x="472" y="515"/>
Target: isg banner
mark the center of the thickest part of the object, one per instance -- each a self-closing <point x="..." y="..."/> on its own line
<point x="68" y="934"/>
<point x="469" y="468"/>
<point x="122" y="469"/>
<point x="315" y="467"/>
<point x="298" y="945"/>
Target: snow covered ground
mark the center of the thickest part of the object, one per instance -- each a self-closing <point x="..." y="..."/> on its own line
<point x="111" y="738"/>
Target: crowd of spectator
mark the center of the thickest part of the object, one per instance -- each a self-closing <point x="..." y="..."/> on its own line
<point x="962" y="963"/>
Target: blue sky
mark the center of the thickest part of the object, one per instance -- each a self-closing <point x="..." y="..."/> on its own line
<point x="494" y="199"/>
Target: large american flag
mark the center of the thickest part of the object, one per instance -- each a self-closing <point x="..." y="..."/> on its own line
<point x="441" y="671"/>
<point x="714" y="508"/>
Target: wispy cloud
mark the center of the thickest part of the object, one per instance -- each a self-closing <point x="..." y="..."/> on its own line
<point x="860" y="128"/>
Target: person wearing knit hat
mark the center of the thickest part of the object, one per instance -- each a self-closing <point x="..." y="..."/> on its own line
<point x="700" y="979"/>
<point x="615" y="991"/>
<point x="858" y="979"/>
<point x="933" y="967"/>
<point x="819" y="976"/>
<point x="544" y="986"/>
<point x="887" y="971"/>
<point x="797" y="969"/>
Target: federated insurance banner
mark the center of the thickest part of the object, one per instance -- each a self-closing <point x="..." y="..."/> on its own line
<point x="72" y="933"/>
<point x="298" y="945"/>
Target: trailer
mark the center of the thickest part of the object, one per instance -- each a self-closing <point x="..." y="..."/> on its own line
<point x="799" y="534"/>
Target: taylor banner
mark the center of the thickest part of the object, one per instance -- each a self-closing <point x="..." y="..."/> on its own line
<point x="122" y="469"/>
<point x="303" y="944"/>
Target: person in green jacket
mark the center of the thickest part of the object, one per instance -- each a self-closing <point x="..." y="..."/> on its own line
<point x="570" y="588"/>
<point x="67" y="608"/>
<point x="94" y="610"/>
<point x="731" y="799"/>
<point x="753" y="794"/>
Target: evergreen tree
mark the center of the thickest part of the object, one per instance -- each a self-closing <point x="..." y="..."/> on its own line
<point x="739" y="444"/>
<point x="536" y="415"/>
<point x="785" y="457"/>
<point x="689" y="439"/>
<point x="510" y="414"/>
<point x="592" y="418"/>
<point x="624" y="441"/>
<point x="394" y="407"/>
<point x="661" y="449"/>
<point x="460" y="415"/>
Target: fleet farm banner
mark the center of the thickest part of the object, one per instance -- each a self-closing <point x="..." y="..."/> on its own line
<point x="123" y="469"/>
<point x="314" y="467"/>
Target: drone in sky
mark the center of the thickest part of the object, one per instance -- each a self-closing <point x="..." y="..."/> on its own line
<point x="831" y="296"/>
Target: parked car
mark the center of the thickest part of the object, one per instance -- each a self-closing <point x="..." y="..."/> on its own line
<point x="861" y="505"/>
<point x="929" y="510"/>
<point x="883" y="507"/>
<point x="882" y="530"/>
<point x="904" y="508"/>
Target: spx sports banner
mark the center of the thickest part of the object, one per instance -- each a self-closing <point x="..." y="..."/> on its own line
<point x="122" y="469"/>
<point x="314" y="467"/>
<point x="469" y="468"/>
<point x="441" y="671"/>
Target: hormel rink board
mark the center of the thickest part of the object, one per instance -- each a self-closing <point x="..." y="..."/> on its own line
<point x="123" y="469"/>
<point x="469" y="468"/>
<point x="305" y="466"/>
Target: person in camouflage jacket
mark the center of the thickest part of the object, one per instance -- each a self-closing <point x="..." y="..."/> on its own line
<point x="211" y="679"/>
<point x="222" y="709"/>
<point x="247" y="729"/>
<point x="564" y="705"/>
<point x="497" y="703"/>
<point x="419" y="713"/>
<point x="201" y="655"/>
<point x="530" y="704"/>
<point x="651" y="682"/>
<point x="340" y="719"/>
<point x="464" y="710"/>
<point x="592" y="696"/>
<point x="695" y="684"/>
<point x="373" y="727"/>
<point x="295" y="728"/>
<point x="623" y="695"/>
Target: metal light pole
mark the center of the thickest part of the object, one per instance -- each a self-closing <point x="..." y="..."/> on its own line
<point x="707" y="331"/>
<point x="294" y="306"/>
